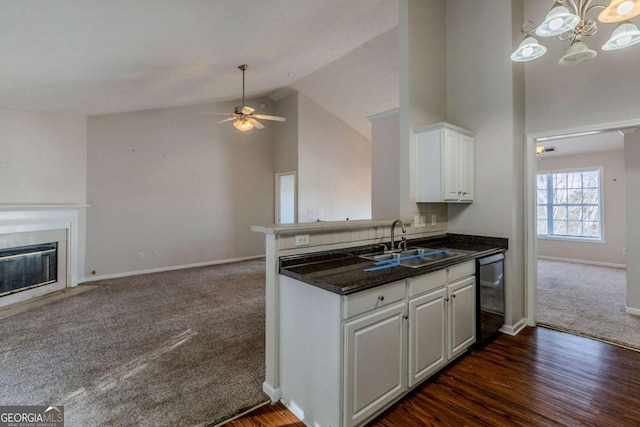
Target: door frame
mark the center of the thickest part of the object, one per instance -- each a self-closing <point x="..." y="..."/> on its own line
<point x="531" y="239"/>
<point x="278" y="176"/>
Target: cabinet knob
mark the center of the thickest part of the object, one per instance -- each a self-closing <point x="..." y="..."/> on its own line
<point x="464" y="193"/>
<point x="381" y="298"/>
<point x="453" y="296"/>
<point x="405" y="317"/>
<point x="459" y="192"/>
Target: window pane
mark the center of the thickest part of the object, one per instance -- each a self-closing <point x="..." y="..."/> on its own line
<point x="560" y="228"/>
<point x="559" y="197"/>
<point x="559" y="213"/>
<point x="542" y="213"/>
<point x="575" y="203"/>
<point x="542" y="227"/>
<point x="592" y="229"/>
<point x="591" y="196"/>
<point x="575" y="213"/>
<point x="574" y="228"/>
<point x="591" y="213"/>
<point x="559" y="180"/>
<point x="590" y="179"/>
<point x="574" y="180"/>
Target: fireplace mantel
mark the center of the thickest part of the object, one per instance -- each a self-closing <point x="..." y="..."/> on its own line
<point x="33" y="217"/>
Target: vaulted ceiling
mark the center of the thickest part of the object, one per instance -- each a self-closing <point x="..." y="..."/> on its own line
<point x="94" y="56"/>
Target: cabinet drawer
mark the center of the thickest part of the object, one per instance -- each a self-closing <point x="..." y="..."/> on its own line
<point x="427" y="282"/>
<point x="461" y="270"/>
<point x="373" y="298"/>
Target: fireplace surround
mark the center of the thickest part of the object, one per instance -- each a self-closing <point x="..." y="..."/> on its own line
<point x="36" y="225"/>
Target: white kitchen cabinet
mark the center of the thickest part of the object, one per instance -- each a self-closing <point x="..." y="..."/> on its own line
<point x="462" y="315"/>
<point x="427" y="335"/>
<point x="375" y="362"/>
<point x="441" y="319"/>
<point x="346" y="358"/>
<point x="444" y="168"/>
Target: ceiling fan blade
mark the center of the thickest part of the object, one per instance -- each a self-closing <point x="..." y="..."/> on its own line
<point x="256" y="123"/>
<point x="210" y="112"/>
<point x="226" y="120"/>
<point x="247" y="110"/>
<point x="265" y="117"/>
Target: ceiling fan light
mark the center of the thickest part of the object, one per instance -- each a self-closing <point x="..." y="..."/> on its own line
<point x="625" y="35"/>
<point x="243" y="125"/>
<point x="559" y="20"/>
<point x="528" y="50"/>
<point x="577" y="53"/>
<point x="620" y="10"/>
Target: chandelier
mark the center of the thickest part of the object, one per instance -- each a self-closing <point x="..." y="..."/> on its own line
<point x="572" y="20"/>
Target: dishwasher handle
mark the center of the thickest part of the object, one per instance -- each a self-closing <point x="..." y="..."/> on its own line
<point x="491" y="259"/>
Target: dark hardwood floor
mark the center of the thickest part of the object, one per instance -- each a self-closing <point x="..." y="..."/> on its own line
<point x="540" y="377"/>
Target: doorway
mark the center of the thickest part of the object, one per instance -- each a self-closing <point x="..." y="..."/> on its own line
<point x="285" y="198"/>
<point x="531" y="246"/>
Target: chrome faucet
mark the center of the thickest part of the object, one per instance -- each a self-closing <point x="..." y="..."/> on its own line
<point x="393" y="226"/>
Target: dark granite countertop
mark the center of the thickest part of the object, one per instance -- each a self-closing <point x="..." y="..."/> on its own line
<point x="341" y="271"/>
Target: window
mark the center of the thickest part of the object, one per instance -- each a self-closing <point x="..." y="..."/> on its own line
<point x="568" y="204"/>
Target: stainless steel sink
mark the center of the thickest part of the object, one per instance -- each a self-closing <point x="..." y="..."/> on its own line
<point x="414" y="257"/>
<point x="377" y="256"/>
<point x="422" y="261"/>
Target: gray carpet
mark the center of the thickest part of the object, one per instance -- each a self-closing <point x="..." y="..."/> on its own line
<point x="181" y="348"/>
<point x="586" y="300"/>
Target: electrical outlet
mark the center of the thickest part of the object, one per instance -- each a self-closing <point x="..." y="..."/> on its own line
<point x="433" y="220"/>
<point x="423" y="221"/>
<point x="624" y="251"/>
<point x="416" y="221"/>
<point x="311" y="213"/>
<point x="156" y="254"/>
<point x="140" y="255"/>
<point x="302" y="239"/>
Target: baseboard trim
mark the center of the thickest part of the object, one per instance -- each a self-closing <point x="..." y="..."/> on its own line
<point x="272" y="392"/>
<point x="515" y="329"/>
<point x="171" y="268"/>
<point x="633" y="310"/>
<point x="581" y="261"/>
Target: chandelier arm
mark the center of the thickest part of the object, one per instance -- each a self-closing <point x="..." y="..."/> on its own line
<point x="595" y="6"/>
<point x="575" y="6"/>
<point x="524" y="26"/>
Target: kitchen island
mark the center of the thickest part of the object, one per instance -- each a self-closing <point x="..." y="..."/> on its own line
<point x="344" y="343"/>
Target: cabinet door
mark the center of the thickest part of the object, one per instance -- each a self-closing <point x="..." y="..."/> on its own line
<point x="462" y="315"/>
<point x="466" y="169"/>
<point x="375" y="362"/>
<point x="451" y="190"/>
<point x="427" y="335"/>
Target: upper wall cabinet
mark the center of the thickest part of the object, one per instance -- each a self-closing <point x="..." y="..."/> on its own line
<point x="444" y="164"/>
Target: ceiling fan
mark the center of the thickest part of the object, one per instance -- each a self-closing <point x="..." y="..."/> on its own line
<point x="244" y="117"/>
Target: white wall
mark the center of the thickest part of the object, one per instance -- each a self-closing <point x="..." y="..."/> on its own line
<point x="334" y="167"/>
<point x="43" y="157"/>
<point x="174" y="181"/>
<point x="423" y="92"/>
<point x="385" y="170"/>
<point x="486" y="95"/>
<point x="43" y="160"/>
<point x="361" y="83"/>
<point x="286" y="135"/>
<point x="597" y="91"/>
<point x="632" y="167"/>
<point x="614" y="213"/>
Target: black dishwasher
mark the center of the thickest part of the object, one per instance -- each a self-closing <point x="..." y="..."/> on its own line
<point x="489" y="296"/>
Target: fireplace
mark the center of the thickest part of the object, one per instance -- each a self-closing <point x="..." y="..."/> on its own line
<point x="28" y="267"/>
<point x="38" y="250"/>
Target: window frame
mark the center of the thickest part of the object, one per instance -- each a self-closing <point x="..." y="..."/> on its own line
<point x="601" y="239"/>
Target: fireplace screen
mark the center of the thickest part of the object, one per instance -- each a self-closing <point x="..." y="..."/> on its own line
<point x="28" y="267"/>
